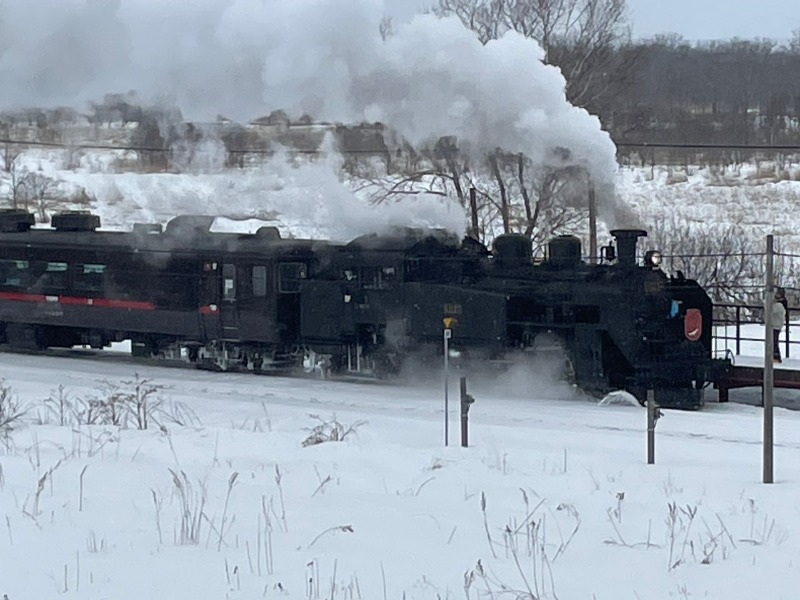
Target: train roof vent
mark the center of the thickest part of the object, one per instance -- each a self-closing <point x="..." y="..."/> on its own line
<point x="13" y="219"/>
<point x="147" y="228"/>
<point x="75" y="220"/>
<point x="268" y="232"/>
<point x="189" y="225"/>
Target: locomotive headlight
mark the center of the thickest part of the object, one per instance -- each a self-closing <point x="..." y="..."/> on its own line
<point x="653" y="259"/>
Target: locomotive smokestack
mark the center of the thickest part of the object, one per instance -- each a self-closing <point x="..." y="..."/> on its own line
<point x="626" y="244"/>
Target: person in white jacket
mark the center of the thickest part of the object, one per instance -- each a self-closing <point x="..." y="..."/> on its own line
<point x="778" y="319"/>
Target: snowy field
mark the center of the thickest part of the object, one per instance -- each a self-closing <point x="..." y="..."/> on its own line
<point x="231" y="504"/>
<point x="553" y="498"/>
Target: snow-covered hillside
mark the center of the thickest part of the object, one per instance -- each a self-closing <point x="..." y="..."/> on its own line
<point x="712" y="199"/>
<point x="313" y="199"/>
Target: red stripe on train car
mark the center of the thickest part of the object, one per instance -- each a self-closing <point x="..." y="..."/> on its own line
<point x="78" y="301"/>
<point x="130" y="304"/>
<point x="20" y="297"/>
<point x="211" y="309"/>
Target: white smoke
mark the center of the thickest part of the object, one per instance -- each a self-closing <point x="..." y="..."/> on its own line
<point x="307" y="200"/>
<point x="244" y="58"/>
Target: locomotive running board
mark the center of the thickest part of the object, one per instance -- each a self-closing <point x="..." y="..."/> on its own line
<point x="741" y="377"/>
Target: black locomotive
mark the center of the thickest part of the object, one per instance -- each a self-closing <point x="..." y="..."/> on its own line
<point x="259" y="302"/>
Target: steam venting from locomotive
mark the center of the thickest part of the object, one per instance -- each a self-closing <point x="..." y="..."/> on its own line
<point x="243" y="59"/>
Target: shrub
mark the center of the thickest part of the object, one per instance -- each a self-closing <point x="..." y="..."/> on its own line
<point x="329" y="431"/>
<point x="11" y="411"/>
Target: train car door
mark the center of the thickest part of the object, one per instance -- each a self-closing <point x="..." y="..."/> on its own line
<point x="290" y="278"/>
<point x="209" y="298"/>
<point x="255" y="302"/>
<point x="229" y="311"/>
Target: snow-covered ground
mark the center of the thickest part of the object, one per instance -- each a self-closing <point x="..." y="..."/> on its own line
<point x="553" y="498"/>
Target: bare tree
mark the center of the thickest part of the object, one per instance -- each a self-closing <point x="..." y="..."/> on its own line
<point x="487" y="18"/>
<point x="39" y="188"/>
<point x="512" y="195"/>
<point x="9" y="155"/>
<point x="13" y="175"/>
<point x="441" y="170"/>
<point x="536" y="200"/>
<point x="721" y="258"/>
<point x="386" y="28"/>
<point x="794" y="44"/>
<point x="501" y="188"/>
<point x="579" y="36"/>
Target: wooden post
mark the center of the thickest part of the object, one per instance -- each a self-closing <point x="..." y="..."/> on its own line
<point x="651" y="427"/>
<point x="464" y="413"/>
<point x="769" y="375"/>
<point x="466" y="402"/>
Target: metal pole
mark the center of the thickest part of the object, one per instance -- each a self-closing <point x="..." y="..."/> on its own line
<point x="787" y="328"/>
<point x="464" y="414"/>
<point x="738" y="330"/>
<point x="592" y="225"/>
<point x="447" y="334"/>
<point x="769" y="375"/>
<point x="651" y="427"/>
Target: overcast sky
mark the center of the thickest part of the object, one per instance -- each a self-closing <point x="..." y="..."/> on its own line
<point x="693" y="19"/>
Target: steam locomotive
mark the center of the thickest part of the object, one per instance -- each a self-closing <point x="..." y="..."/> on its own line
<point x="260" y="302"/>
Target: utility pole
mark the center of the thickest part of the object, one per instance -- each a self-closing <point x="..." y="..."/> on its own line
<point x="769" y="375"/>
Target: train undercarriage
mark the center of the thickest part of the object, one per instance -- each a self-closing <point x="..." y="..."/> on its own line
<point x="547" y="353"/>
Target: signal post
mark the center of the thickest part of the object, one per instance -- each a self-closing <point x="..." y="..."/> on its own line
<point x="448" y="333"/>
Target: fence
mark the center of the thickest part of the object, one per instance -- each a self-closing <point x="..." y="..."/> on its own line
<point x="739" y="328"/>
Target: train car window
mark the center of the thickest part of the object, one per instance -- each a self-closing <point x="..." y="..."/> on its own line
<point x="52" y="275"/>
<point x="14" y="273"/>
<point x="89" y="277"/>
<point x="290" y="276"/>
<point x="229" y="282"/>
<point x="371" y="278"/>
<point x="412" y="269"/>
<point x="259" y="281"/>
<point x="587" y="314"/>
<point x="350" y="275"/>
<point x="376" y="278"/>
<point x="48" y="276"/>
